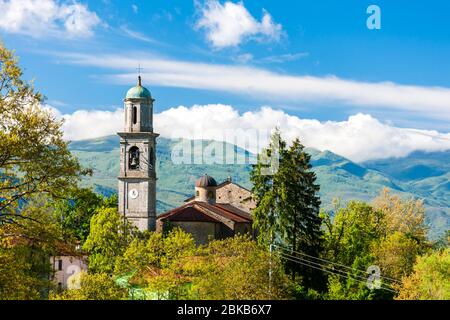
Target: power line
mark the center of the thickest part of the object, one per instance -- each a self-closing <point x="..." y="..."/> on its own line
<point x="335" y="271"/>
<point x="318" y="264"/>
<point x="331" y="272"/>
<point x="334" y="263"/>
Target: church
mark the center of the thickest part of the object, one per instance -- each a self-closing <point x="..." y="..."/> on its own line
<point x="216" y="211"/>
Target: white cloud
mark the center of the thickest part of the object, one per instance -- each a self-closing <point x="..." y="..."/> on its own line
<point x="137" y="35"/>
<point x="39" y="18"/>
<point x="360" y="138"/>
<point x="243" y="58"/>
<point x="135" y="8"/>
<point x="88" y="124"/>
<point x="410" y="100"/>
<point x="230" y="24"/>
<point x="285" y="57"/>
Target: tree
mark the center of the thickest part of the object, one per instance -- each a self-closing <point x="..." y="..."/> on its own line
<point x="156" y="262"/>
<point x="350" y="233"/>
<point x="389" y="234"/>
<point x="109" y="236"/>
<point x="97" y="286"/>
<point x="25" y="247"/>
<point x="34" y="158"/>
<point x="236" y="269"/>
<point x="301" y="204"/>
<point x="141" y="255"/>
<point x="396" y="254"/>
<point x="287" y="211"/>
<point x="262" y="176"/>
<point x="406" y="216"/>
<point x="74" y="214"/>
<point x="348" y="242"/>
<point x="172" y="267"/>
<point x="17" y="281"/>
<point x="430" y="279"/>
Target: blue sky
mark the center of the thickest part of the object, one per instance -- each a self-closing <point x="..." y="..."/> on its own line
<point x="311" y="59"/>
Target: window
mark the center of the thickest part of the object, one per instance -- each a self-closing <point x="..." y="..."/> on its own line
<point x="210" y="195"/>
<point x="60" y="265"/>
<point x="134" y="115"/>
<point x="197" y="193"/>
<point x="133" y="158"/>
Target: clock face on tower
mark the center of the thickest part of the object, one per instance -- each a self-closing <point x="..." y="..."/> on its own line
<point x="133" y="193"/>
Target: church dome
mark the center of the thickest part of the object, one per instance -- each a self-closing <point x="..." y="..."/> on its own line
<point x="138" y="92"/>
<point x="206" y="181"/>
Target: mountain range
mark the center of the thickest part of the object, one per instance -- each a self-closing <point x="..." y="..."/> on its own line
<point x="420" y="175"/>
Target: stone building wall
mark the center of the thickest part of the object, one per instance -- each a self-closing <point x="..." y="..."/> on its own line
<point x="236" y="196"/>
<point x="201" y="231"/>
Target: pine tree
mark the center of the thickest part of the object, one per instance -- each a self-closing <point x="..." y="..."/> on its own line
<point x="287" y="212"/>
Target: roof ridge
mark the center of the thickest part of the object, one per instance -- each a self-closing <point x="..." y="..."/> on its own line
<point x="215" y="206"/>
<point x="246" y="215"/>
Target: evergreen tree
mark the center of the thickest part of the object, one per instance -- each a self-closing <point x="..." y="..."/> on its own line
<point x="287" y="212"/>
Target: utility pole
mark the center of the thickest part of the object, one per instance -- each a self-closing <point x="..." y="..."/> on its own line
<point x="270" y="271"/>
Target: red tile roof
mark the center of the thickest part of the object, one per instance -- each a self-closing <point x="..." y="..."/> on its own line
<point x="203" y="211"/>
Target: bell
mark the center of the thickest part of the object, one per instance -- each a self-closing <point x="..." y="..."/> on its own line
<point x="134" y="162"/>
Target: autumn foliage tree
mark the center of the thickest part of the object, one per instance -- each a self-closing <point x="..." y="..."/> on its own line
<point x="429" y="279"/>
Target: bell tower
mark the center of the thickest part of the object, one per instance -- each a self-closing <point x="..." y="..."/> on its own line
<point x="137" y="177"/>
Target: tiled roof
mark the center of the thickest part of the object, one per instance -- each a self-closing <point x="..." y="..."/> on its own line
<point x="188" y="213"/>
<point x="203" y="211"/>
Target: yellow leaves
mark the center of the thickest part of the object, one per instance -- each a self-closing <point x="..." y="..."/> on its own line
<point x="97" y="286"/>
<point x="396" y="254"/>
<point x="430" y="279"/>
<point x="406" y="216"/>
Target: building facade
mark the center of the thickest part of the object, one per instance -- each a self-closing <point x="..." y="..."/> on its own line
<point x="206" y="218"/>
<point x="66" y="267"/>
<point x="229" y="192"/>
<point x="137" y="177"/>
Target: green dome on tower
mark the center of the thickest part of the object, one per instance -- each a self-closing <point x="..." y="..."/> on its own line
<point x="138" y="92"/>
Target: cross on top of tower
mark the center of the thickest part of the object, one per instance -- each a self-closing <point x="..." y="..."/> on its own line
<point x="139" y="69"/>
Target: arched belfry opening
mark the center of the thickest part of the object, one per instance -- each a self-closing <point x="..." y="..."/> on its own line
<point x="133" y="161"/>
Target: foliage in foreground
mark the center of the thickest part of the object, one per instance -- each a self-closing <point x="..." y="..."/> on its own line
<point x="172" y="267"/>
<point x="429" y="279"/>
<point x="95" y="286"/>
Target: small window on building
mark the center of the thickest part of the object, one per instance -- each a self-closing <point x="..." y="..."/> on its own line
<point x="210" y="195"/>
<point x="197" y="193"/>
<point x="60" y="265"/>
<point x="134" y="115"/>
